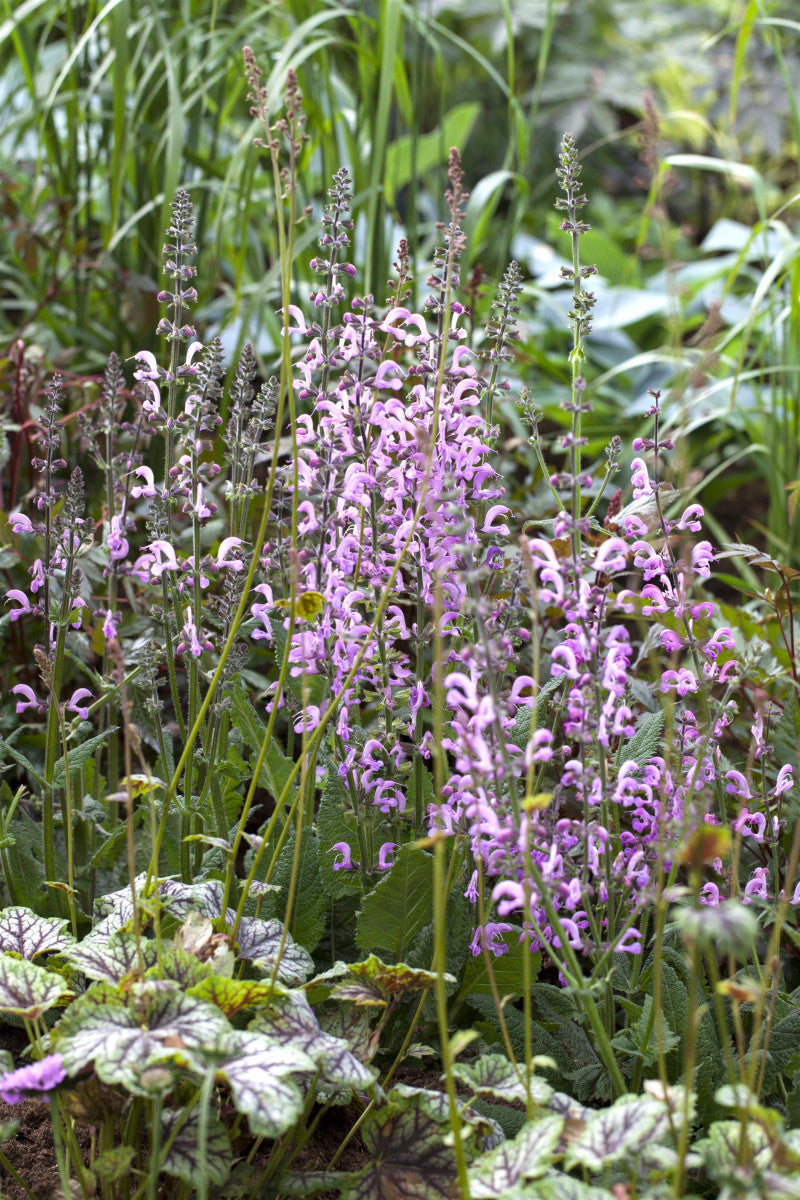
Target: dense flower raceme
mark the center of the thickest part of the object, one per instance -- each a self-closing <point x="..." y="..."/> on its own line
<point x="395" y="490"/>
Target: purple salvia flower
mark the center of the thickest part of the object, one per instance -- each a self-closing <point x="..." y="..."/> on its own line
<point x="74" y="703"/>
<point x="345" y="860"/>
<point x="15" y="596"/>
<point x="42" y="1076"/>
<point x="29" y="699"/>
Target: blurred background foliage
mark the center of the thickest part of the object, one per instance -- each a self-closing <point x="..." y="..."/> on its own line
<point x="688" y="122"/>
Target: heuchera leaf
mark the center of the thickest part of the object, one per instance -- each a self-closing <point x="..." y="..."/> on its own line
<point x="260" y="1073"/>
<point x="564" y="1187"/>
<point x="612" y="1133"/>
<point x="493" y="1077"/>
<point x="183" y="1157"/>
<point x="260" y="942"/>
<point x="392" y="980"/>
<point x="233" y="995"/>
<point x="182" y="968"/>
<point x="111" y="959"/>
<point x="311" y="1183"/>
<point x="526" y="1157"/>
<point x="23" y="933"/>
<point x="28" y="990"/>
<point x="125" y="1039"/>
<point x="410" y="1157"/>
<point x="289" y="1020"/>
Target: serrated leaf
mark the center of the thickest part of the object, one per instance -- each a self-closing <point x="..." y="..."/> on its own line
<point x="645" y="743"/>
<point x="181" y="967"/>
<point x="612" y="1133"/>
<point x="111" y="959"/>
<point x="28" y="990"/>
<point x="373" y="977"/>
<point x="399" y="905"/>
<point x="183" y="1157"/>
<point x="289" y="1020"/>
<point x="334" y="824"/>
<point x="78" y="755"/>
<point x="23" y="933"/>
<point x="114" y="1164"/>
<point x="125" y="1040"/>
<point x="260" y="942"/>
<point x="277" y="767"/>
<point x="492" y="1077"/>
<point x="409" y="1156"/>
<point x="527" y="1157"/>
<point x="506" y="969"/>
<point x="311" y="902"/>
<point x="260" y="1074"/>
<point x="232" y="995"/>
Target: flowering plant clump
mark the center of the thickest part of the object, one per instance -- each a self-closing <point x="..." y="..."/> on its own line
<point x="308" y="683"/>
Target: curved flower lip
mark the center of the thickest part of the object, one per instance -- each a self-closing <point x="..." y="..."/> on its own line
<point x="42" y="1076"/>
<point x="20" y="523"/>
<point x="18" y="597"/>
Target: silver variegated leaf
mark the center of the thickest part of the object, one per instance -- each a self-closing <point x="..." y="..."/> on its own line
<point x="260" y="942"/>
<point x="183" y="1157"/>
<point x="260" y="1074"/>
<point x="125" y="1040"/>
<point x="205" y="898"/>
<point x="526" y="1157"/>
<point x="114" y="909"/>
<point x="493" y="1077"/>
<point x="290" y="1021"/>
<point x="111" y="959"/>
<point x="23" y="933"/>
<point x="28" y="990"/>
<point x="612" y="1133"/>
<point x="556" y="1186"/>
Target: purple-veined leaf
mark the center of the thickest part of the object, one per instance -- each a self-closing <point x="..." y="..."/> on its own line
<point x="183" y="1157"/>
<point x="289" y="1020"/>
<point x="260" y="1075"/>
<point x="111" y="959"/>
<point x="311" y="1183"/>
<point x="612" y="1133"/>
<point x="493" y="1077"/>
<point x="373" y="982"/>
<point x="116" y="908"/>
<point x="410" y="1156"/>
<point x="260" y="941"/>
<point x="182" y="968"/>
<point x="23" y="933"/>
<point x="556" y="1186"/>
<point x="233" y="995"/>
<point x="526" y="1157"/>
<point x="352" y="1025"/>
<point x="125" y="1040"/>
<point x="205" y="898"/>
<point x="437" y="1106"/>
<point x="28" y="990"/>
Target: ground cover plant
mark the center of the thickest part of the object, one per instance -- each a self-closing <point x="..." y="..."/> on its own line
<point x="339" y="781"/>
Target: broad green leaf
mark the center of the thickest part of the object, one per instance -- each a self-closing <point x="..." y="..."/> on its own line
<point x="277" y="767"/>
<point x="399" y="905"/>
<point x="289" y="1020"/>
<point x="22" y="932"/>
<point x="27" y="990"/>
<point x="79" y="755"/>
<point x="205" y="898"/>
<point x="645" y="742"/>
<point x="232" y="995"/>
<point x="311" y="1183"/>
<point x="112" y="959"/>
<point x="260" y="1073"/>
<point x="431" y="148"/>
<point x="182" y="968"/>
<point x="564" y="1187"/>
<point x="492" y="1077"/>
<point x="335" y="823"/>
<point x="183" y="1157"/>
<point x="260" y="942"/>
<point x="506" y="969"/>
<point x="310" y="900"/>
<point x="373" y="977"/>
<point x="526" y="1157"/>
<point x="126" y="1040"/>
<point x="612" y="1133"/>
<point x="409" y="1153"/>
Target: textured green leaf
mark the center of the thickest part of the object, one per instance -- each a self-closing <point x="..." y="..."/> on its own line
<point x="183" y="1157"/>
<point x="613" y="1133"/>
<point x="526" y="1157"/>
<point x="78" y="755"/>
<point x="277" y="767"/>
<point x="310" y="900"/>
<point x="28" y="990"/>
<point x="492" y="1077"/>
<point x="114" y="1164"/>
<point x="260" y="1073"/>
<point x="564" y="1187"/>
<point x="23" y="933"/>
<point x="645" y="742"/>
<point x="409" y="1156"/>
<point x="506" y="969"/>
<point x="125" y="1040"/>
<point x="335" y="823"/>
<point x="399" y="905"/>
<point x="232" y="995"/>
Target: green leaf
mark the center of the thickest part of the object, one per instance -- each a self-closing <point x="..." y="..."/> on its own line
<point x="335" y="823"/>
<point x="183" y="1157"/>
<point x="310" y="901"/>
<point x="511" y="1163"/>
<point x="114" y="1164"/>
<point x="431" y="148"/>
<point x="78" y="756"/>
<point x="264" y="943"/>
<point x="645" y="742"/>
<point x="563" y="1187"/>
<point x="23" y="933"/>
<point x="260" y="1073"/>
<point x="506" y="969"/>
<point x="231" y="996"/>
<point x="289" y="1021"/>
<point x="492" y="1077"/>
<point x="277" y="767"/>
<point x="399" y="905"/>
<point x="28" y="990"/>
<point x="111" y="959"/>
<point x="374" y="981"/>
<point x="613" y="1133"/>
<point x="409" y="1156"/>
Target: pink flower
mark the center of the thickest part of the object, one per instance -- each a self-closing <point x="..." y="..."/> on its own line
<point x="148" y="488"/>
<point x="20" y="523"/>
<point x="29" y="698"/>
<point x="385" y="855"/>
<point x="15" y="596"/>
<point x="74" y="703"/>
<point x="345" y="862"/>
